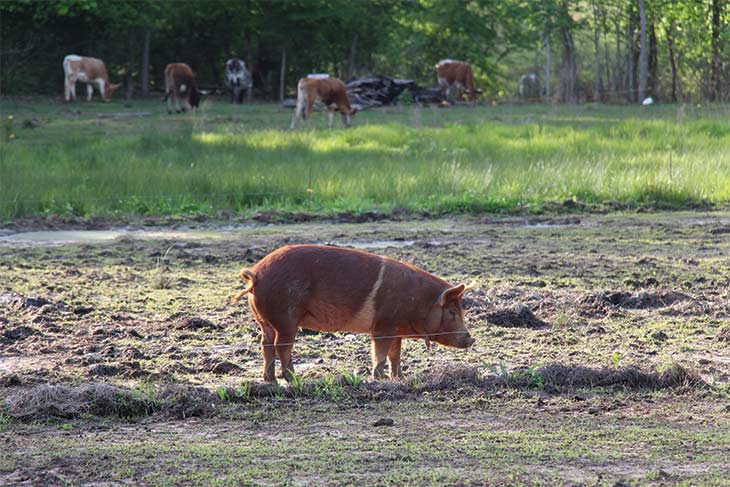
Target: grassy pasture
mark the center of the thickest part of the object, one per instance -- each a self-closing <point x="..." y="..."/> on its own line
<point x="65" y="160"/>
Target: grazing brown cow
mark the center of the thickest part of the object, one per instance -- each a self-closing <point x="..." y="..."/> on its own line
<point x="180" y="87"/>
<point x="455" y="77"/>
<point x="331" y="91"/>
<point x="328" y="288"/>
<point x="87" y="70"/>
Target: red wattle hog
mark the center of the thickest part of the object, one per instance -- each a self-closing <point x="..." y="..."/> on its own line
<point x="328" y="288"/>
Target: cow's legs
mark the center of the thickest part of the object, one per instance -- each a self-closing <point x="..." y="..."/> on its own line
<point x="187" y="107"/>
<point x="89" y="91"/>
<point x="394" y="358"/>
<point x="170" y="98"/>
<point x="379" y="351"/>
<point x="72" y="89"/>
<point x="284" y="343"/>
<point x="308" y="111"/>
<point x="330" y="118"/>
<point x="67" y="89"/>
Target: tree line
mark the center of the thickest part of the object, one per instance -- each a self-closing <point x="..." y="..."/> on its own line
<point x="582" y="50"/>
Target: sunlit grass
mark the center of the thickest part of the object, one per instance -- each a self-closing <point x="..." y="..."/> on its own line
<point x="464" y="159"/>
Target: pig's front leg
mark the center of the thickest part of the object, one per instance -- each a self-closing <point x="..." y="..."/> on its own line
<point x="379" y="351"/>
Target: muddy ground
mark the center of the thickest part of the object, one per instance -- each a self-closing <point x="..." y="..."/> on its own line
<point x="147" y="312"/>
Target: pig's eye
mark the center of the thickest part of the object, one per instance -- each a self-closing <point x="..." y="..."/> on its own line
<point x="452" y="313"/>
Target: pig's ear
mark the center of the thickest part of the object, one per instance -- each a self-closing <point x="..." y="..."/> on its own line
<point x="451" y="294"/>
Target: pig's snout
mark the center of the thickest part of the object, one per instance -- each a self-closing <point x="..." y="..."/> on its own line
<point x="465" y="341"/>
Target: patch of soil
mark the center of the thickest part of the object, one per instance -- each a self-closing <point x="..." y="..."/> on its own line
<point x="103" y="370"/>
<point x="18" y="333"/>
<point x="519" y="316"/>
<point x="224" y="368"/>
<point x="194" y="323"/>
<point x="602" y="303"/>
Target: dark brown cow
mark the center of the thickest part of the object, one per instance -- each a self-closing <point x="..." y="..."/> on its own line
<point x="455" y="78"/>
<point x="331" y="91"/>
<point x="333" y="289"/>
<point x="180" y="87"/>
<point x="87" y="70"/>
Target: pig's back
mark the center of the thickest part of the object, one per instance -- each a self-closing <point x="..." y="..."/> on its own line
<point x="319" y="287"/>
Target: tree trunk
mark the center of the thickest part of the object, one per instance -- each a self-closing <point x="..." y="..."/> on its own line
<point x="353" y="57"/>
<point x="630" y="48"/>
<point x="607" y="59"/>
<point x="282" y="73"/>
<point x="249" y="63"/>
<point x="672" y="59"/>
<point x="568" y="69"/>
<point x="146" y="61"/>
<point x="617" y="71"/>
<point x="597" y="57"/>
<point x="643" y="52"/>
<point x="653" y="62"/>
<point x="716" y="88"/>
<point x="548" y="68"/>
<point x="130" y="64"/>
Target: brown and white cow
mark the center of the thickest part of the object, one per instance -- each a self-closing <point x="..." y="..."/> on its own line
<point x="455" y="78"/>
<point x="90" y="71"/>
<point x="327" y="288"/>
<point x="180" y="88"/>
<point x="330" y="91"/>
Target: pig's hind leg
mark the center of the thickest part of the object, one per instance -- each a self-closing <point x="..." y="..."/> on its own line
<point x="284" y="343"/>
<point x="268" y="335"/>
<point x="379" y="352"/>
<point x="394" y="359"/>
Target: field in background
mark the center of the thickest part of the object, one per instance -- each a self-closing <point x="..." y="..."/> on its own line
<point x="67" y="160"/>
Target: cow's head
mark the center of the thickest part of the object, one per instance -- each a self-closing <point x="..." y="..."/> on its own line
<point x="110" y="91"/>
<point x="195" y="96"/>
<point x="348" y="118"/>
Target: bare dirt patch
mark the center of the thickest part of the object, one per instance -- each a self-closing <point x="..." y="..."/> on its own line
<point x="568" y="336"/>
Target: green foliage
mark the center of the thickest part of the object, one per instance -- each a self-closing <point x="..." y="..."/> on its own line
<point x="501" y="38"/>
<point x="296" y="383"/>
<point x="353" y="379"/>
<point x="531" y="376"/>
<point x="329" y="388"/>
<point x="222" y="393"/>
<point x="615" y="359"/>
<point x="243" y="391"/>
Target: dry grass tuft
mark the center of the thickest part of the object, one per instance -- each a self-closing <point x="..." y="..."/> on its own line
<point x="577" y="377"/>
<point x="68" y="402"/>
<point x="184" y="401"/>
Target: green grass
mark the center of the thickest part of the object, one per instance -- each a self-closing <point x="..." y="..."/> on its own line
<point x="243" y="158"/>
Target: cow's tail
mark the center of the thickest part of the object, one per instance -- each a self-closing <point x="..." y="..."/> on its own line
<point x="250" y="278"/>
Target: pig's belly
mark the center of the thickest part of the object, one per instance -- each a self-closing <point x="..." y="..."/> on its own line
<point x="330" y="317"/>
